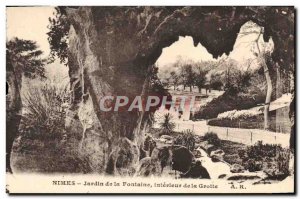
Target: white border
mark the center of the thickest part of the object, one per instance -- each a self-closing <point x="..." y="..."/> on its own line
<point x="150" y="2"/>
<point x="5" y="3"/>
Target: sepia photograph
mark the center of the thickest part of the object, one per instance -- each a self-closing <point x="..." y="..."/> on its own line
<point x="150" y="100"/>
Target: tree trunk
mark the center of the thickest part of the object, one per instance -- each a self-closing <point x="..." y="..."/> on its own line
<point x="199" y="89"/>
<point x="280" y="113"/>
<point x="278" y="82"/>
<point x="269" y="94"/>
<point x="13" y="112"/>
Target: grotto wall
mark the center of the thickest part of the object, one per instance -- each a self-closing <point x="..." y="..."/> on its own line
<point x="111" y="49"/>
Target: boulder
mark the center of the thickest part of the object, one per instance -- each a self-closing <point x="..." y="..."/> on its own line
<point x="127" y="157"/>
<point x="237" y="168"/>
<point x="218" y="152"/>
<point x="274" y="172"/>
<point x="206" y="146"/>
<point x="166" y="137"/>
<point x="197" y="171"/>
<point x="181" y="159"/>
<point x="149" y="144"/>
<point x="149" y="167"/>
<point x="217" y="155"/>
<point x="162" y="140"/>
<point x="197" y="145"/>
<point x="170" y="142"/>
<point x="222" y="176"/>
<point x="92" y="152"/>
<point x="163" y="156"/>
<point x="197" y="153"/>
<point x="198" y="139"/>
<point x="247" y="176"/>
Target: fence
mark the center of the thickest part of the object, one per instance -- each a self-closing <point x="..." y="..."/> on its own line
<point x="279" y="121"/>
<point x="240" y="135"/>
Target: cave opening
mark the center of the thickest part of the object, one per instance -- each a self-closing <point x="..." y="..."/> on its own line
<point x="183" y="70"/>
<point x="188" y="71"/>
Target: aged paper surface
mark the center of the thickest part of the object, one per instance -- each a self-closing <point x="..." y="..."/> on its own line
<point x="168" y="100"/>
<point x="101" y="184"/>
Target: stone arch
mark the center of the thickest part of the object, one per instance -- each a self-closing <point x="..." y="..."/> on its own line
<point x="113" y="47"/>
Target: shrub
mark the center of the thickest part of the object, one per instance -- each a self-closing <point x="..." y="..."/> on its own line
<point x="249" y="122"/>
<point x="272" y="159"/>
<point x="226" y="102"/>
<point x="260" y="150"/>
<point x="167" y="126"/>
<point x="255" y="122"/>
<point x="242" y="153"/>
<point x="212" y="138"/>
<point x="44" y="111"/>
<point x="187" y="139"/>
<point x="253" y="165"/>
<point x="277" y="167"/>
<point x="232" y="159"/>
<point x="235" y="114"/>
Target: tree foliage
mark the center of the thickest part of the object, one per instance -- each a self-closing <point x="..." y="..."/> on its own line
<point x="200" y="77"/>
<point x="188" y="75"/>
<point x="23" y="56"/>
<point x="58" y="35"/>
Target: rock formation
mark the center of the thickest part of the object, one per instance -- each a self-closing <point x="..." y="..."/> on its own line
<point x="111" y="49"/>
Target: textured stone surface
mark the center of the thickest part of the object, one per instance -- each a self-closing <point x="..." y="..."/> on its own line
<point x="111" y="49"/>
<point x="163" y="155"/>
<point x="237" y="168"/>
<point x="197" y="171"/>
<point x="182" y="159"/>
<point x="217" y="155"/>
<point x="149" y="167"/>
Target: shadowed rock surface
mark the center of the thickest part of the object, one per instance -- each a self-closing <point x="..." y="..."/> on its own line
<point x="181" y="159"/>
<point x="149" y="167"/>
<point x="197" y="171"/>
<point x="163" y="155"/>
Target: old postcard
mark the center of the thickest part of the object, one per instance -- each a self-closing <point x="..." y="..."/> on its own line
<point x="159" y="99"/>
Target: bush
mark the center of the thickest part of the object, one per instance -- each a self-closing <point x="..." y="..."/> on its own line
<point x="272" y="159"/>
<point x="212" y="138"/>
<point x="242" y="114"/>
<point x="260" y="150"/>
<point x="44" y="109"/>
<point x="187" y="139"/>
<point x="251" y="122"/>
<point x="233" y="159"/>
<point x="253" y="165"/>
<point x="278" y="166"/>
<point x="167" y="126"/>
<point x="226" y="102"/>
